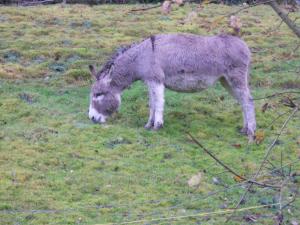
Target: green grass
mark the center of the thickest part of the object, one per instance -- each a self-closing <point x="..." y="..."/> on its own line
<point x="56" y="167"/>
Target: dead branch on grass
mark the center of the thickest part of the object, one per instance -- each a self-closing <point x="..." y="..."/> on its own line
<point x="277" y="94"/>
<point x="37" y="2"/>
<point x="145" y="9"/>
<point x="247" y="7"/>
<point x="291" y="24"/>
<point x="267" y="154"/>
<point x="228" y="168"/>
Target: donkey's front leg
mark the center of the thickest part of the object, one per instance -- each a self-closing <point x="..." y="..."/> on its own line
<point x="156" y="91"/>
<point x="159" y="101"/>
<point x="150" y="123"/>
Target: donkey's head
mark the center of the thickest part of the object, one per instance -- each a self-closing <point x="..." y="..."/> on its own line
<point x="104" y="100"/>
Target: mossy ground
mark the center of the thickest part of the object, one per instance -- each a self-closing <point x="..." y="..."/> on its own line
<point x="56" y="167"/>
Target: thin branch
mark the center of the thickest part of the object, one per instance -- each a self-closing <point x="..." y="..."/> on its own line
<point x="247" y="7"/>
<point x="290" y="202"/>
<point x="277" y="27"/>
<point x="279" y="116"/>
<point x="268" y="161"/>
<point x="280" y="196"/>
<point x="297" y="47"/>
<point x="37" y="2"/>
<point x="145" y="9"/>
<point x="204" y="214"/>
<point x="288" y="102"/>
<point x="228" y="168"/>
<point x="281" y="159"/>
<point x="264" y="160"/>
<point x="278" y="94"/>
<point x="275" y="140"/>
<point x="293" y="26"/>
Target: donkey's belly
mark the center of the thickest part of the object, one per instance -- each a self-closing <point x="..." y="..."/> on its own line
<point x="190" y="82"/>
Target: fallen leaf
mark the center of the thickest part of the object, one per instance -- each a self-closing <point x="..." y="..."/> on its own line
<point x="195" y="180"/>
<point x="259" y="136"/>
<point x="237" y="145"/>
<point x="238" y="179"/>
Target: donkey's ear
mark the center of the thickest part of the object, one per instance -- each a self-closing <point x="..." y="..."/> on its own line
<point x="93" y="71"/>
<point x="111" y="68"/>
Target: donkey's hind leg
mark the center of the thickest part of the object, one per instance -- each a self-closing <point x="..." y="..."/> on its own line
<point x="236" y="81"/>
<point x="229" y="89"/>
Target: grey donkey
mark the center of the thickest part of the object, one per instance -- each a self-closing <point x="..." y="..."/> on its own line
<point x="180" y="62"/>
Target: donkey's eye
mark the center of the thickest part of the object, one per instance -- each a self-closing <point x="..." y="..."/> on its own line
<point x="98" y="95"/>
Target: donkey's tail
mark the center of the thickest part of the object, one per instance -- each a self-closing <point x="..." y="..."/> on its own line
<point x="152" y="38"/>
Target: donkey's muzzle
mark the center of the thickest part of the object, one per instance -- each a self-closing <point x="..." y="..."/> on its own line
<point x="95" y="120"/>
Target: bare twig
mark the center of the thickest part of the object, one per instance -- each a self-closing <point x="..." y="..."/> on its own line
<point x="280" y="195"/>
<point x="145" y="9"/>
<point x="278" y="94"/>
<point x="290" y="202"/>
<point x="279" y="116"/>
<point x="295" y="49"/>
<point x="228" y="168"/>
<point x="292" y="25"/>
<point x="247" y="7"/>
<point x="204" y="214"/>
<point x="280" y="213"/>
<point x="268" y="161"/>
<point x="288" y="102"/>
<point x="277" y="27"/>
<point x="264" y="160"/>
<point x="37" y="2"/>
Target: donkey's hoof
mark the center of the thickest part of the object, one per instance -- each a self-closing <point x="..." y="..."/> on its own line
<point x="149" y="125"/>
<point x="244" y="131"/>
<point x="251" y="138"/>
<point x="158" y="126"/>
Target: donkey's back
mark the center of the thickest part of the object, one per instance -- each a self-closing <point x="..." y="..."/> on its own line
<point x="191" y="63"/>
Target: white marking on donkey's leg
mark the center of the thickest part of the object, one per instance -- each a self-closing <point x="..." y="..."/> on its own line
<point x="157" y="97"/>
<point x="150" y="122"/>
<point x="159" y="101"/>
<point x="250" y="114"/>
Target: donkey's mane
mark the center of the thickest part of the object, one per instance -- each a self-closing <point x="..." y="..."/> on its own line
<point x="110" y="62"/>
<point x="121" y="50"/>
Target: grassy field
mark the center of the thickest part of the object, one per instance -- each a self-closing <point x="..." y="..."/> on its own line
<point x="56" y="167"/>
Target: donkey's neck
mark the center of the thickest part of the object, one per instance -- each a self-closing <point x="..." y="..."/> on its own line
<point x="123" y="74"/>
<point x="121" y="82"/>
